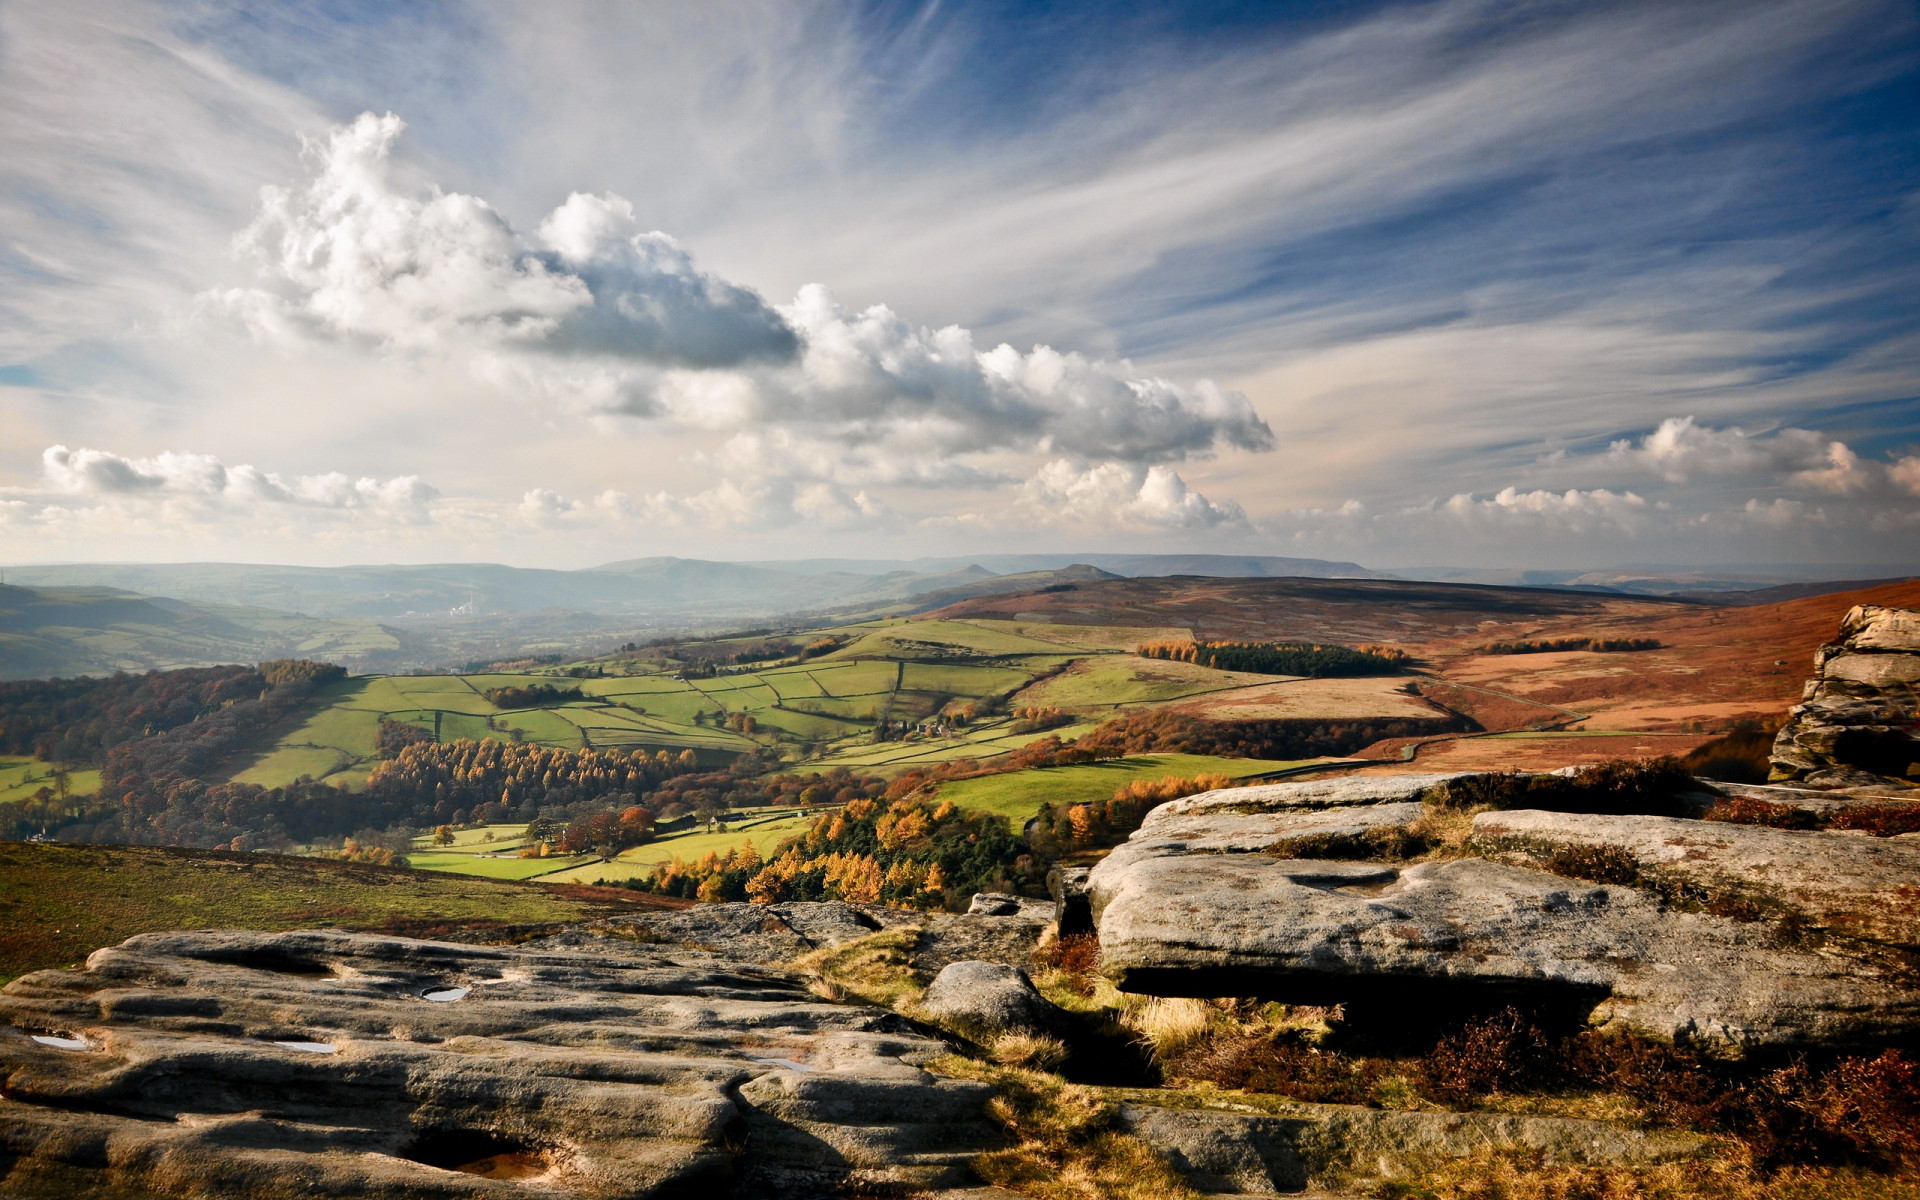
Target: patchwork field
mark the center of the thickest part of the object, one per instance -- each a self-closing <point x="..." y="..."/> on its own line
<point x="1300" y="699"/>
<point x="1018" y="795"/>
<point x="907" y="671"/>
<point x="472" y="854"/>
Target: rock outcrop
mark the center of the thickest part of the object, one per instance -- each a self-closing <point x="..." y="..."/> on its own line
<point x="331" y="1064"/>
<point x="1845" y="883"/>
<point x="984" y="999"/>
<point x="1858" y="725"/>
<point x="1209" y="898"/>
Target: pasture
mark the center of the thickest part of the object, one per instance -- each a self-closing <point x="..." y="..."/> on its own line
<point x="1018" y="795"/>
<point x="21" y="777"/>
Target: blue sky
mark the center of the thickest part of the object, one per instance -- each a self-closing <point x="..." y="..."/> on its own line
<point x="1470" y="282"/>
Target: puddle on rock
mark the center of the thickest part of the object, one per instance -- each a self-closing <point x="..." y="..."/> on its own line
<point x="310" y="1047"/>
<point x="444" y="995"/>
<point x="788" y="1063"/>
<point x="62" y="1043"/>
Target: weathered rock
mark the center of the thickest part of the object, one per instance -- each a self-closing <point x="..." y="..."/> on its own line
<point x="1193" y="905"/>
<point x="1859" y="723"/>
<point x="778" y="933"/>
<point x="1847" y="883"/>
<point x="320" y="1063"/>
<point x="993" y="904"/>
<point x="1292" y="1147"/>
<point x="984" y="999"/>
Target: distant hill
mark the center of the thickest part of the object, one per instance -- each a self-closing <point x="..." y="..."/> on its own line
<point x="1657" y="579"/>
<point x="1342" y="610"/>
<point x="661" y="589"/>
<point x="96" y="631"/>
<point x="1239" y="566"/>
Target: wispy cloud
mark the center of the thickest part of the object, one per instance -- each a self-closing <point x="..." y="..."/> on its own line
<point x="1427" y="252"/>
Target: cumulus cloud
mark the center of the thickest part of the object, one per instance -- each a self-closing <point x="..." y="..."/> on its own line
<point x="351" y="255"/>
<point x="1573" y="510"/>
<point x="1113" y="493"/>
<point x="597" y="313"/>
<point x="1680" y="449"/>
<point x="100" y="473"/>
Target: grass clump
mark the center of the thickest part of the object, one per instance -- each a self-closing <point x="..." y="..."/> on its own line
<point x="1517" y="1175"/>
<point x="873" y="970"/>
<point x="1035" y="1052"/>
<point x="1067" y="1140"/>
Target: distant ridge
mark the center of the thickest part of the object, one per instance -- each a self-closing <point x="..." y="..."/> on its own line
<point x="656" y="588"/>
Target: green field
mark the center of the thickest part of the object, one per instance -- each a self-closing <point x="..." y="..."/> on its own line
<point x="1116" y="681"/>
<point x="22" y="777"/>
<point x="59" y="902"/>
<point x="471" y="853"/>
<point x="910" y="670"/>
<point x="1018" y="795"/>
<point x="641" y="860"/>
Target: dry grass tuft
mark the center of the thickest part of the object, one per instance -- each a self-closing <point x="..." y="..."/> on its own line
<point x="1169" y="1024"/>
<point x="1036" y="1052"/>
<point x="873" y="970"/>
<point x="1067" y="1143"/>
<point x="1492" y="1175"/>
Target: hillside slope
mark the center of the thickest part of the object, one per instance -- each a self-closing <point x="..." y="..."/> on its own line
<point x="97" y="631"/>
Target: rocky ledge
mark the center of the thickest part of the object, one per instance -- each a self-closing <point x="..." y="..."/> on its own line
<point x="1668" y="927"/>
<point x="1858" y="725"/>
<point x="334" y="1064"/>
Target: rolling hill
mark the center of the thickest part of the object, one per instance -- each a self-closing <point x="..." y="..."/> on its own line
<point x="95" y="631"/>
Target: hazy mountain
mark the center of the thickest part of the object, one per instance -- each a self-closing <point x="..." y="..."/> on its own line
<point x="1656" y="579"/>
<point x="653" y="589"/>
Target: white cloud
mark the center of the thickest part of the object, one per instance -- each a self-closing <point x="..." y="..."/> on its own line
<point x="1573" y="510"/>
<point x="598" y="313"/>
<point x="1116" y="495"/>
<point x="1905" y="472"/>
<point x="349" y="254"/>
<point x="1681" y="449"/>
<point x="101" y="473"/>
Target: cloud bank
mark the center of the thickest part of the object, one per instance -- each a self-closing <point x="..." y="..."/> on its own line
<point x="598" y="313"/>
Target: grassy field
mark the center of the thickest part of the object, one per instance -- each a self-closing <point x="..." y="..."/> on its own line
<point x="909" y="669"/>
<point x="60" y="902"/>
<point x="1018" y="795"/>
<point x="22" y="777"/>
<point x="639" y="861"/>
<point x="1115" y="681"/>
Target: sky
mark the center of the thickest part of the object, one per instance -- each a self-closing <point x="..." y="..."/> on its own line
<point x="1464" y="282"/>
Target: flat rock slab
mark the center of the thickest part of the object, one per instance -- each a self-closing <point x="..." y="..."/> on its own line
<point x="1195" y="904"/>
<point x="1294" y="1148"/>
<point x="225" y="1064"/>
<point x="1849" y="883"/>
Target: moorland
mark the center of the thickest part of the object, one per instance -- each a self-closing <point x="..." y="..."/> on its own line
<point x="910" y="760"/>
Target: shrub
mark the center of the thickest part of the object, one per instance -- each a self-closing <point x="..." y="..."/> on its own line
<point x="1596" y="864"/>
<point x="1616" y="787"/>
<point x="531" y="696"/>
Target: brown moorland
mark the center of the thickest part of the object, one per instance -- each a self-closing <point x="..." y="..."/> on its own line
<point x="1716" y="663"/>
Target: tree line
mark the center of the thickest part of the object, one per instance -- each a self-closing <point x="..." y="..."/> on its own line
<point x="1310" y="659"/>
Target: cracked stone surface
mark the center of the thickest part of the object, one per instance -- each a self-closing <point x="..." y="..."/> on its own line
<point x="231" y="1064"/>
<point x="1193" y="904"/>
